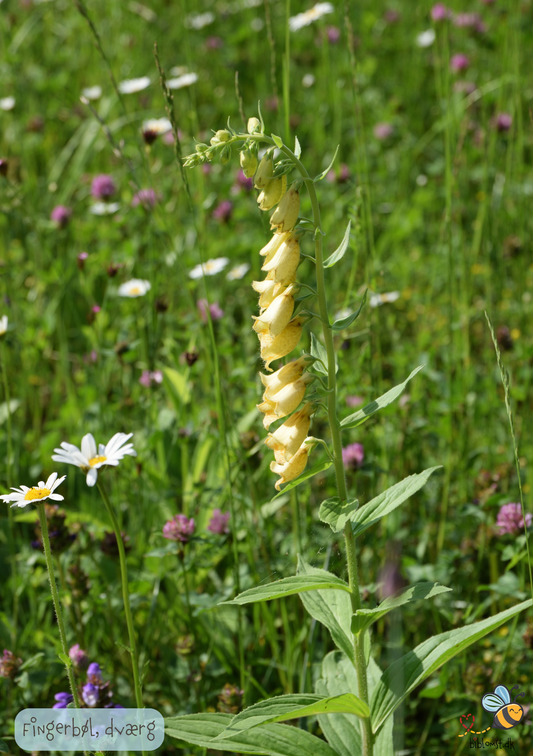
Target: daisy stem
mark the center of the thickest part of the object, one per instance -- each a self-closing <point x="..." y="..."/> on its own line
<point x="55" y="598"/>
<point x="125" y="594"/>
<point x="8" y="419"/>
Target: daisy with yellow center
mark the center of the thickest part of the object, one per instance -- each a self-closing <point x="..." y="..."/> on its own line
<point x="90" y="458"/>
<point x="134" y="288"/>
<point x="23" y="496"/>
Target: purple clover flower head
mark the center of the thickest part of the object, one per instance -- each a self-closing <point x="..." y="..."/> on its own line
<point x="440" y="12"/>
<point x="90" y="694"/>
<point x="78" y="656"/>
<point x="61" y="215"/>
<point x="214" y="43"/>
<point x="459" y="62"/>
<point x="218" y="523"/>
<point x="180" y="528"/>
<point x="333" y="34"/>
<point x="469" y="21"/>
<point x="223" y="211"/>
<point x="353" y="456"/>
<point x="510" y="520"/>
<point x="383" y="131"/>
<point x="145" y="379"/>
<point x="63" y="699"/>
<point x="214" y="310"/>
<point x="503" y="122"/>
<point x="80" y="260"/>
<point x="94" y="673"/>
<point x="103" y="187"/>
<point x="244" y="183"/>
<point x="145" y="197"/>
<point x="354" y="401"/>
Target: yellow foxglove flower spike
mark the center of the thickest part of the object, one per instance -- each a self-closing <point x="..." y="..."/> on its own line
<point x="274" y="348"/>
<point x="284" y="401"/>
<point x="270" y="249"/>
<point x="285" y="261"/>
<point x="286" y="374"/>
<point x="285" y="216"/>
<point x="288" y="438"/>
<point x="278" y="314"/>
<point x="272" y="193"/>
<point x="296" y="465"/>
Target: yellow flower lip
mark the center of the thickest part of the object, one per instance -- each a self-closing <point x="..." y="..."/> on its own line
<point x="36" y="493"/>
<point x="96" y="460"/>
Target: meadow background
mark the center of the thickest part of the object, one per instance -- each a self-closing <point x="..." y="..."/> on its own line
<point x="434" y="169"/>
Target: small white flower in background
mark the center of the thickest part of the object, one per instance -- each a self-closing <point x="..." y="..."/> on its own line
<point x="199" y="20"/>
<point x="313" y="14"/>
<point x="7" y="103"/>
<point x="129" y="86"/>
<point x="92" y="93"/>
<point x="308" y="80"/>
<point x="104" y="208"/>
<point x="182" y="81"/>
<point x="157" y="125"/>
<point x="426" y="38"/>
<point x="378" y="299"/>
<point x="179" y="70"/>
<point x="238" y="272"/>
<point x="3" y="325"/>
<point x="340" y="314"/>
<point x="209" y="268"/>
<point x="42" y="491"/>
<point x="90" y="459"/>
<point x="257" y="24"/>
<point x="134" y="288"/>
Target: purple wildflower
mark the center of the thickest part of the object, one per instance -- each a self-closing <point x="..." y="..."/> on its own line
<point x="148" y="377"/>
<point x="63" y="699"/>
<point x="9" y="664"/>
<point x="440" y="12"/>
<point x="510" y="520"/>
<point x="354" y="401"/>
<point x="89" y="694"/>
<point x="103" y="187"/>
<point x="61" y="215"/>
<point x="80" y="260"/>
<point x="459" y="62"/>
<point x="503" y="121"/>
<point x="469" y="21"/>
<point x="214" y="43"/>
<point x="383" y="131"/>
<point x="353" y="456"/>
<point x="223" y="211"/>
<point x="214" y="310"/>
<point x="243" y="182"/>
<point x="218" y="523"/>
<point x="96" y="309"/>
<point x="145" y="197"/>
<point x="180" y="528"/>
<point x="94" y="673"/>
<point x="333" y="34"/>
<point x="78" y="656"/>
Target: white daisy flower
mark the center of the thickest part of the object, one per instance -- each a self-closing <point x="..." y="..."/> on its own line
<point x="137" y="287"/>
<point x="313" y="14"/>
<point x="426" y="38"/>
<point x="238" y="272"/>
<point x="89" y="459"/>
<point x="42" y="491"/>
<point x="179" y="70"/>
<point x="209" y="268"/>
<point x="182" y="81"/>
<point x="104" y="208"/>
<point x="92" y="93"/>
<point x="129" y="86"/>
<point x="199" y="20"/>
<point x="378" y="299"/>
<point x="157" y="125"/>
<point x="7" y="103"/>
<point x="3" y="325"/>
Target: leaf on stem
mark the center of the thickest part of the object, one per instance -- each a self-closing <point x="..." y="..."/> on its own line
<point x="336" y="513"/>
<point x="287" y="587"/>
<point x="330" y="166"/>
<point x="277" y="141"/>
<point x="363" y="618"/>
<point x="360" y="417"/>
<point x="340" y="325"/>
<point x="297" y="148"/>
<point x="341" y="249"/>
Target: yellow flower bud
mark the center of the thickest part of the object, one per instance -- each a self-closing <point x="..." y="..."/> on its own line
<point x="254" y="126"/>
<point x="277" y="315"/>
<point x="264" y="172"/>
<point x="272" y="193"/>
<point x="288" y="438"/>
<point x="285" y="261"/>
<point x="248" y="163"/>
<point x="295" y="467"/>
<point x="285" y="216"/>
<point x="221" y="136"/>
<point x="285" y="400"/>
<point x="286" y="374"/>
<point x="270" y="249"/>
<point x="276" y="347"/>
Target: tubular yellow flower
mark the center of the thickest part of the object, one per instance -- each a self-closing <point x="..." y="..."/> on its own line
<point x="248" y="163"/>
<point x="274" y="348"/>
<point x="285" y="400"/>
<point x="286" y="374"/>
<point x="272" y="193"/>
<point x="285" y="216"/>
<point x="268" y="289"/>
<point x="270" y="249"/>
<point x="277" y="315"/>
<point x="289" y="437"/>
<point x="264" y="172"/>
<point x="285" y="261"/>
<point x="295" y="467"/>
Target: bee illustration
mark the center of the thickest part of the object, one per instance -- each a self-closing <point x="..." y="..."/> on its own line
<point x="507" y="714"/>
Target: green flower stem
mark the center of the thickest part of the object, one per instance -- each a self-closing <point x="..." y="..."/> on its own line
<point x="8" y="419"/>
<point x="55" y="599"/>
<point x="125" y="595"/>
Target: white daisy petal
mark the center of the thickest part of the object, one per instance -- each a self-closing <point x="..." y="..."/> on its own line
<point x="57" y="483"/>
<point x="56" y="497"/>
<point x="41" y="484"/>
<point x="92" y="476"/>
<point x="182" y="81"/>
<point x="134" y="288"/>
<point x="130" y="86"/>
<point x="88" y="446"/>
<point x="51" y="480"/>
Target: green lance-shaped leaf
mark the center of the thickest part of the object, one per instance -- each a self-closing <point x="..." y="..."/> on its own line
<point x="289" y="586"/>
<point x="278" y="141"/>
<point x="332" y="608"/>
<point x="417" y="665"/>
<point x="340" y="325"/>
<point x="363" y="618"/>
<point x="319" y="353"/>
<point x="386" y="502"/>
<point x="292" y="706"/>
<point x="360" y="417"/>
<point x="341" y="249"/>
<point x="321" y="467"/>
<point x="297" y="148"/>
<point x="327" y="170"/>
<point x="270" y="740"/>
<point x="336" y="513"/>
